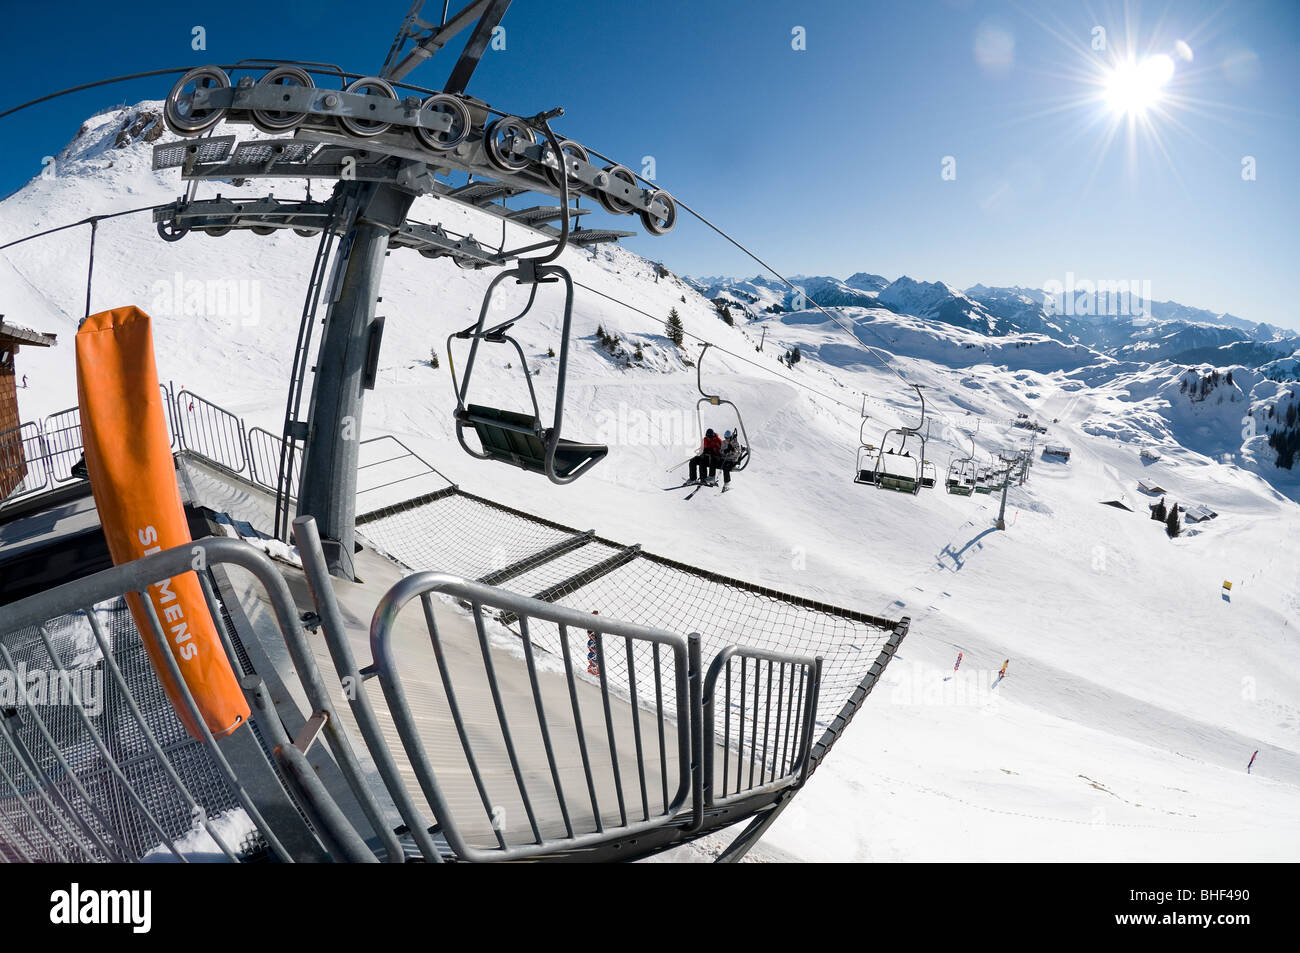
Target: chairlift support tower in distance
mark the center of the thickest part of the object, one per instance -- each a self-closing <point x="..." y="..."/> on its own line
<point x="384" y="152"/>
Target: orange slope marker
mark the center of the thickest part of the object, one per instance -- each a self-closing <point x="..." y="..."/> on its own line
<point x="133" y="478"/>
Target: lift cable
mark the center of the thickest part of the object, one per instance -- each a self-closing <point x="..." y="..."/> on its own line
<point x="873" y="351"/>
<point x="703" y="340"/>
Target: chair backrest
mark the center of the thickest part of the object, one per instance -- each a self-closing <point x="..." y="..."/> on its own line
<point x="516" y="442"/>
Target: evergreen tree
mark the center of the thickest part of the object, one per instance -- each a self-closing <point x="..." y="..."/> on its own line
<point x="674" y="327"/>
<point x="1172" y="525"/>
<point x="1158" y="512"/>
<point x="433" y="358"/>
<point x="724" y="311"/>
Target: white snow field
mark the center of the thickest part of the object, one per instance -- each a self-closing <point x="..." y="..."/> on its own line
<point x="1137" y="689"/>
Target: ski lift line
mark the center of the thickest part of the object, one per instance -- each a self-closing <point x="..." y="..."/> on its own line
<point x="873" y="351"/>
<point x="310" y="67"/>
<point x="329" y="70"/>
<point x="92" y="221"/>
<point x="702" y="340"/>
<point x="777" y="274"/>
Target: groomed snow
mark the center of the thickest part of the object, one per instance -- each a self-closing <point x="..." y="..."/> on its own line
<point x="1136" y="690"/>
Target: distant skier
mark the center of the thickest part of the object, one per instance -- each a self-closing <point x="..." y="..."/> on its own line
<point x="1252" y="761"/>
<point x="24" y="382"/>
<point x="1002" y="672"/>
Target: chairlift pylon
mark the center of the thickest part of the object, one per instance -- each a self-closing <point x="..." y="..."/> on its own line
<point x="715" y="400"/>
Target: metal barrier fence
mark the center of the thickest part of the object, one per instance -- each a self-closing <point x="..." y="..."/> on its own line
<point x="211" y="431"/>
<point x="618" y="793"/>
<point x="780" y="751"/>
<point x="108" y="772"/>
<point x="20" y="453"/>
<point x="61" y="433"/>
<point x="264" y="461"/>
<point x="514" y="752"/>
<point x="52" y="448"/>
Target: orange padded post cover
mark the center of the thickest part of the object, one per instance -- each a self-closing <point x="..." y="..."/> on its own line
<point x="133" y="478"/>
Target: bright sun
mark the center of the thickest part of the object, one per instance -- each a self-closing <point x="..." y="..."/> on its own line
<point x="1133" y="87"/>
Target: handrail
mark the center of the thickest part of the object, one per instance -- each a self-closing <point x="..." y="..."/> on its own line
<point x="244" y="769"/>
<point x="542" y="839"/>
<point x="790" y="741"/>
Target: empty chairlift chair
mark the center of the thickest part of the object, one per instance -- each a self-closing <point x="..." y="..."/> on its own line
<point x="961" y="479"/>
<point x="865" y="470"/>
<point x="519" y="437"/>
<point x="963" y="473"/>
<point x="895" y="468"/>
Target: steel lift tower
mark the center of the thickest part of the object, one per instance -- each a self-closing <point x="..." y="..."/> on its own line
<point x="384" y="149"/>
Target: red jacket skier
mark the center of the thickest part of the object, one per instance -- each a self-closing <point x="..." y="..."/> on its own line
<point x="704" y="465"/>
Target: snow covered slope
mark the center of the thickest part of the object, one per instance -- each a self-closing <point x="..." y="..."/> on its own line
<point x="1136" y="689"/>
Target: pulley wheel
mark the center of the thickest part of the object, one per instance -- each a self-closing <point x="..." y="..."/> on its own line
<point x="609" y="202"/>
<point x="179" y="112"/>
<point x="660" y="225"/>
<point x="172" y="231"/>
<point x="569" y="150"/>
<point x="461" y="123"/>
<point x="359" y="125"/>
<point x="282" y="120"/>
<point x="501" y="138"/>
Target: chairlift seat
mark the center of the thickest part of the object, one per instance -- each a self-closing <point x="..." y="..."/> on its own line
<point x="894" y="481"/>
<point x="520" y="439"/>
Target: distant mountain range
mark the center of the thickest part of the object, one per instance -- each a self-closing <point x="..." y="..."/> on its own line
<point x="1163" y="331"/>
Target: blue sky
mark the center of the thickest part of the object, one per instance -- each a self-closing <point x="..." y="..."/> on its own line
<point x="828" y="160"/>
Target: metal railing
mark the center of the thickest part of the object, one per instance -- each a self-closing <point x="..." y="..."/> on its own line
<point x="52" y="448"/>
<point x="61" y="433"/>
<point x="779" y="726"/>
<point x="91" y="776"/>
<point x="211" y="431"/>
<point x="484" y="744"/>
<point x="21" y="453"/>
<point x="542" y="724"/>
<point x="264" y="460"/>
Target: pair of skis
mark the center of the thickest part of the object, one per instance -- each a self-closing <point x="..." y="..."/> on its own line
<point x="696" y="487"/>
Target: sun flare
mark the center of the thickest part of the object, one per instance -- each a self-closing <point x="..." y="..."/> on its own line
<point x="1134" y="86"/>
